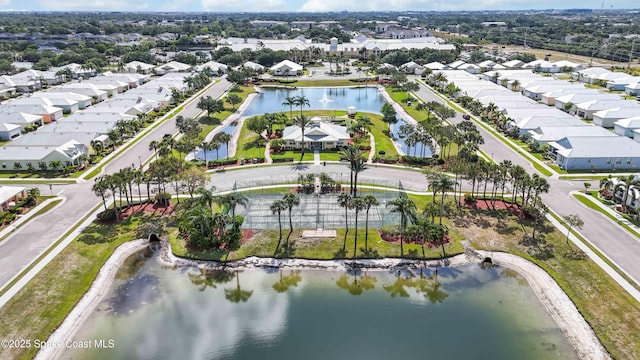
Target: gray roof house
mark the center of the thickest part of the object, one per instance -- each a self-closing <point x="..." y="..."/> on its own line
<point x="586" y="109"/>
<point x="9" y="131"/>
<point x="48" y="113"/>
<point x="607" y="118"/>
<point x="547" y="134"/>
<point x="597" y="153"/>
<point x="529" y="123"/>
<point x="68" y="153"/>
<point x="581" y="98"/>
<point x="632" y="89"/>
<point x="626" y="127"/>
<point x="550" y="97"/>
<point x="21" y="119"/>
<point x="83" y="88"/>
<point x="61" y="99"/>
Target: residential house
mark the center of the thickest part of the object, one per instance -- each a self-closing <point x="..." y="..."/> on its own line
<point x="138" y="67"/>
<point x="83" y="88"/>
<point x="9" y="131"/>
<point x="59" y="99"/>
<point x="67" y="105"/>
<point x="218" y="68"/>
<point x="412" y="68"/>
<point x="253" y="66"/>
<point x="597" y="153"/>
<point x="172" y="66"/>
<point x="286" y="68"/>
<point x="548" y="134"/>
<point x="549" y="98"/>
<point x="11" y="195"/>
<point x="607" y="118"/>
<point x="436" y="66"/>
<point x="573" y="99"/>
<point x="319" y="135"/>
<point x="589" y="75"/>
<point x="47" y="113"/>
<point x="6" y="91"/>
<point x="77" y="71"/>
<point x="23" y="120"/>
<point x="587" y="109"/>
<point x="513" y="64"/>
<point x="626" y="127"/>
<point x="70" y="153"/>
<point x="632" y="89"/>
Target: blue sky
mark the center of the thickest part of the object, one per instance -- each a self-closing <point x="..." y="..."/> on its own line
<point x="303" y="5"/>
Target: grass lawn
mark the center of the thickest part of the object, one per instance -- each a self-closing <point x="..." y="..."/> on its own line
<point x="250" y="145"/>
<point x="308" y="155"/>
<point x="398" y="96"/>
<point x="383" y="142"/>
<point x="210" y="123"/>
<point x="608" y="308"/>
<point x="39" y="308"/>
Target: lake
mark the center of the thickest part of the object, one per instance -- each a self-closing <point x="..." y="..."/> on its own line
<point x="152" y="312"/>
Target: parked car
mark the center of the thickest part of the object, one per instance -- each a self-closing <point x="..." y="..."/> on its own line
<point x="466" y="117"/>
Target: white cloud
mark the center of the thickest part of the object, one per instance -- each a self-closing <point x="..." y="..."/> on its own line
<point x="5" y="2"/>
<point x="244" y="5"/>
<point x="176" y="5"/>
<point x="96" y="5"/>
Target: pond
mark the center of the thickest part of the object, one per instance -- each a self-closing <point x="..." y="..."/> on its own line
<point x="221" y="153"/>
<point x="340" y="98"/>
<point x="153" y="312"/>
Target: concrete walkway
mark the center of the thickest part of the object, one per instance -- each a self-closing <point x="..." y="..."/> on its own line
<point x="372" y="151"/>
<point x="316" y="157"/>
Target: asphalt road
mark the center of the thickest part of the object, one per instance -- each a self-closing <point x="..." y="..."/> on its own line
<point x="29" y="241"/>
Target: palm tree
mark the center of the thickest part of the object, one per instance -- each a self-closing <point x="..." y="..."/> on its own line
<point x="224" y="137"/>
<point x="291" y="200"/>
<point x="207" y="196"/>
<point x="442" y="183"/>
<point x="233" y="200"/>
<point x="302" y="121"/>
<point x="302" y="101"/>
<point x="407" y="210"/>
<point x="357" y="204"/>
<point x="205" y="146"/>
<point x="215" y="145"/>
<point x="290" y="101"/>
<point x="369" y="201"/>
<point x="55" y="165"/>
<point x="100" y="188"/>
<point x="573" y="220"/>
<point x="357" y="167"/>
<point x="351" y="153"/>
<point x="276" y="208"/>
<point x="344" y="200"/>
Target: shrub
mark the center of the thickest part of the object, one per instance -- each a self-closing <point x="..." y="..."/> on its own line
<point x="163" y="198"/>
<point x="468" y="199"/>
<point x="440" y="161"/>
<point x="390" y="230"/>
<point x="3" y="215"/>
<point x="283" y="159"/>
<point x="412" y="160"/>
<point x="389" y="159"/>
<point x="228" y="161"/>
<point x="17" y="210"/>
<point x="287" y="81"/>
<point x="235" y="88"/>
<point x="381" y="152"/>
<point x="107" y="215"/>
<point x="9" y="218"/>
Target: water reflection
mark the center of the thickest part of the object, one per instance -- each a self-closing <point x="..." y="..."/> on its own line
<point x="357" y="286"/>
<point x="398" y="287"/>
<point x="286" y="281"/>
<point x="237" y="295"/>
<point x="209" y="278"/>
<point x="134" y="294"/>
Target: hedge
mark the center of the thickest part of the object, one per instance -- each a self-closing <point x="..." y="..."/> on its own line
<point x="283" y="159"/>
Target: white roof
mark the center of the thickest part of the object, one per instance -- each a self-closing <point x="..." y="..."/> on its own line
<point x="253" y="66"/>
<point x="174" y="66"/>
<point x="603" y="104"/>
<point x="456" y="64"/>
<point x="287" y="63"/>
<point x="61" y="95"/>
<point x="617" y="113"/>
<point x="634" y="86"/>
<point x="435" y="66"/>
<point x="554" y="133"/>
<point x="18" y="117"/>
<point x="629" y="123"/>
<point x="71" y="150"/>
<point x="8" y="127"/>
<point x="580" y="98"/>
<point x="321" y="132"/>
<point x="64" y="126"/>
<point x="7" y="192"/>
<point x="597" y="147"/>
<point x="31" y="109"/>
<point x="513" y="64"/>
<point x="213" y="65"/>
<point x="135" y="64"/>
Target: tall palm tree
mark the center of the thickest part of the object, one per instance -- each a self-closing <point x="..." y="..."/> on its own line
<point x="302" y="121"/>
<point x="357" y="204"/>
<point x="344" y="200"/>
<point x="233" y="200"/>
<point x="291" y="200"/>
<point x="205" y="146"/>
<point x="290" y="101"/>
<point x="224" y="137"/>
<point x="359" y="165"/>
<point x="100" y="188"/>
<point x="154" y="145"/>
<point x="215" y="145"/>
<point x="277" y="207"/>
<point x="350" y="154"/>
<point x="443" y="184"/>
<point x="369" y="202"/>
<point x="404" y="206"/>
<point x="207" y="196"/>
<point x="302" y="101"/>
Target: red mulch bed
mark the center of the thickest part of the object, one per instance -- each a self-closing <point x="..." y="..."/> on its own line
<point x="147" y="207"/>
<point x="482" y="204"/>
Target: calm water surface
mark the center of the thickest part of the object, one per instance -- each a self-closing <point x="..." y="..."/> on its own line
<point x="464" y="313"/>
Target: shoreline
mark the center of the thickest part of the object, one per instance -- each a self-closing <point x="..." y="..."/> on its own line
<point x="553" y="298"/>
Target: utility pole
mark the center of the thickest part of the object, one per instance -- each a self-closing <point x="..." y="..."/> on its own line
<point x="631" y="53"/>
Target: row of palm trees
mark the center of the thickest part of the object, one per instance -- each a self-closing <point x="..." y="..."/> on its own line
<point x="120" y="184"/>
<point x="623" y="185"/>
<point x="216" y="144"/>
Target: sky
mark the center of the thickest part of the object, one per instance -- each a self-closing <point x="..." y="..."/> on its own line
<point x="304" y="5"/>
